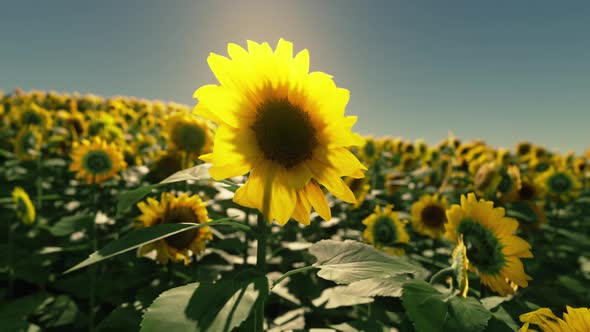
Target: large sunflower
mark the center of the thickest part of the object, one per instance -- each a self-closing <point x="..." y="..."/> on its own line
<point x="170" y="210"/>
<point x="385" y="231"/>
<point x="25" y="210"/>
<point x="428" y="215"/>
<point x="27" y="143"/>
<point x="96" y="161"/>
<point x="575" y="320"/>
<point x="493" y="251"/>
<point x="282" y="124"/>
<point x="187" y="133"/>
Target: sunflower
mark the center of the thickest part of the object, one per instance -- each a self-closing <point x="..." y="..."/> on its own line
<point x="510" y="184"/>
<point x="166" y="163"/>
<point x="171" y="210"/>
<point x="428" y="215"/>
<point x="558" y="183"/>
<point x="24" y="208"/>
<point x="487" y="179"/>
<point x="360" y="188"/>
<point x="529" y="191"/>
<point x="369" y="151"/>
<point x="27" y="143"/>
<point x="33" y="115"/>
<point x="575" y="320"/>
<point x="187" y="133"/>
<point x="493" y="251"/>
<point x="96" y="160"/>
<point x="385" y="231"/>
<point x="523" y="149"/>
<point x="283" y="125"/>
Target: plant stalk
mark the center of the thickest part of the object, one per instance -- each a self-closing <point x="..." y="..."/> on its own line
<point x="261" y="266"/>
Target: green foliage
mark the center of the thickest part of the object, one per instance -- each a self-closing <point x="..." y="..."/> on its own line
<point x="220" y="306"/>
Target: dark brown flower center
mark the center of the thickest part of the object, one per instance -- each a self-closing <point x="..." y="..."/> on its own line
<point x="284" y="132"/>
<point x="433" y="216"/>
<point x="177" y="215"/>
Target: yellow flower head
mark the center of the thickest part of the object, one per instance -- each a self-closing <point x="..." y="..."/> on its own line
<point x="27" y="143"/>
<point x="187" y="133"/>
<point x="428" y="215"/>
<point x="360" y="188"/>
<point x="33" y="115"/>
<point x="385" y="231"/>
<point x="487" y="179"/>
<point x="96" y="161"/>
<point x="575" y="320"/>
<point x="282" y="124"/>
<point x="559" y="183"/>
<point x="166" y="163"/>
<point x="492" y="249"/>
<point x="171" y="210"/>
<point x="25" y="210"/>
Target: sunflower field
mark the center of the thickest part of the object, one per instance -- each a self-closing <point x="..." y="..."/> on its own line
<point x="261" y="209"/>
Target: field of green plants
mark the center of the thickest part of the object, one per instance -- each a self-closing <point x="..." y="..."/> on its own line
<point x="262" y="210"/>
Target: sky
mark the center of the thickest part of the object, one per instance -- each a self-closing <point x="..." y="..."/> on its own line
<point x="502" y="71"/>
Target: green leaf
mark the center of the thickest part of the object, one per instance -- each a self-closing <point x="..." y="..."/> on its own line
<point x="496" y="325"/>
<point x="59" y="311"/>
<point x="433" y="311"/>
<point x="425" y="306"/>
<point x="391" y="286"/>
<point x="466" y="314"/>
<point x="70" y="224"/>
<point x="350" y="261"/>
<point x="139" y="237"/>
<point x="336" y="297"/>
<point x="198" y="173"/>
<point x="361" y="325"/>
<point x="222" y="306"/>
<point x="13" y="314"/>
<point x="121" y="319"/>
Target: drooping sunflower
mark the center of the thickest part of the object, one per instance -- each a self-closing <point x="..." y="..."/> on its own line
<point x="282" y="124"/>
<point x="493" y="251"/>
<point x="487" y="179"/>
<point x="173" y="209"/>
<point x="25" y="210"/>
<point x="385" y="231"/>
<point x="510" y="183"/>
<point x="559" y="183"/>
<point x="96" y="160"/>
<point x="27" y="143"/>
<point x="428" y="215"/>
<point x="575" y="320"/>
<point x="187" y="133"/>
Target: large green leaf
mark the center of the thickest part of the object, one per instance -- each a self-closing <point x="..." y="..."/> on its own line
<point x="466" y="314"/>
<point x="391" y="286"/>
<point x="336" y="297"/>
<point x="425" y="306"/>
<point x="432" y="311"/>
<point x="206" y="307"/>
<point x="70" y="224"/>
<point x="128" y="198"/>
<point x="13" y="314"/>
<point x="350" y="261"/>
<point x="139" y="237"/>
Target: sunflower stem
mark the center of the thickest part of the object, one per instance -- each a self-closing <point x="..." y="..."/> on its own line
<point x="92" y="269"/>
<point x="39" y="184"/>
<point x="261" y="266"/>
<point x="246" y="244"/>
<point x="440" y="274"/>
<point x="292" y="272"/>
<point x="11" y="229"/>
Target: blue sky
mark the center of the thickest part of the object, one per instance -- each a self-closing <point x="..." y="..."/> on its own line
<point x="502" y="71"/>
